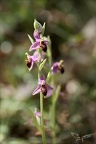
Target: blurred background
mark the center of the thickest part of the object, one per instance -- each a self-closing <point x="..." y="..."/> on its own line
<point x="71" y="25"/>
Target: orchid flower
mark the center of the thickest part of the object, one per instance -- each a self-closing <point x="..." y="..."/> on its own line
<point x="43" y="87"/>
<point x="33" y="59"/>
<point x="58" y="67"/>
<point x="39" y="42"/>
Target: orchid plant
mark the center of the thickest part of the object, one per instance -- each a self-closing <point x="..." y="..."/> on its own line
<point x="41" y="46"/>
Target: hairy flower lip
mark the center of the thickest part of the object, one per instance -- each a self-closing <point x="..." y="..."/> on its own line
<point x="44" y="90"/>
<point x="61" y="69"/>
<point x="28" y="63"/>
<point x="43" y="45"/>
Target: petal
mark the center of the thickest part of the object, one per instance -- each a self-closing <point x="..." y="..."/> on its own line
<point x="46" y="42"/>
<point x="34" y="59"/>
<point x="55" y="68"/>
<point x="42" y="80"/>
<point x="36" y="56"/>
<point x="34" y="46"/>
<point x="37" y="90"/>
<point x="32" y="63"/>
<point x="36" y="34"/>
<point x="37" y="114"/>
<point x="42" y="77"/>
<point x="43" y="55"/>
<point x="49" y="90"/>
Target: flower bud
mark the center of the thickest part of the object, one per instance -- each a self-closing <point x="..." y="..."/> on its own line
<point x="37" y="26"/>
<point x="43" y="29"/>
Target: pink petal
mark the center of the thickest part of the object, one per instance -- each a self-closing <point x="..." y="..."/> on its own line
<point x="42" y="77"/>
<point x="36" y="56"/>
<point x="37" y="90"/>
<point x="46" y="42"/>
<point x="36" y="34"/>
<point x="55" y="68"/>
<point x="37" y="114"/>
<point x="42" y="80"/>
<point x="34" y="46"/>
<point x="49" y="90"/>
<point x="43" y="55"/>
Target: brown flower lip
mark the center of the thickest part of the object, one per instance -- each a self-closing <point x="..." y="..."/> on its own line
<point x="44" y="90"/>
<point x="28" y="63"/>
<point x="43" y="46"/>
<point x="61" y="69"/>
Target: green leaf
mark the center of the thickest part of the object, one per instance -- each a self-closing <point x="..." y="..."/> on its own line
<point x="49" y="51"/>
<point x="32" y="41"/>
<point x="48" y="76"/>
<point x="43" y="29"/>
<point x="57" y="93"/>
<point x="37" y="26"/>
<point x="42" y="64"/>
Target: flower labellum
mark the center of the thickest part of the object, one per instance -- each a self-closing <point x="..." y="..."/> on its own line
<point x="43" y="45"/>
<point x="44" y="90"/>
<point x="43" y="87"/>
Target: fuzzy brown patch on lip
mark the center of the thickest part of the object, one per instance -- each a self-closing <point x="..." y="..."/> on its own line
<point x="28" y="63"/>
<point x="61" y="69"/>
<point x="44" y="90"/>
<point x="43" y="46"/>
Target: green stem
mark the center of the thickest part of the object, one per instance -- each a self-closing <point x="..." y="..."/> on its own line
<point x="52" y="84"/>
<point x="53" y="113"/>
<point x="49" y="52"/>
<point x="42" y="120"/>
<point x="53" y="123"/>
<point x="41" y="110"/>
